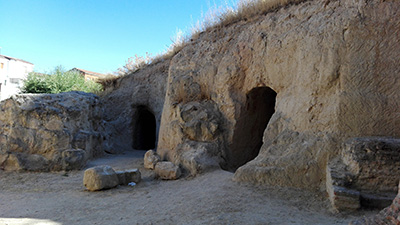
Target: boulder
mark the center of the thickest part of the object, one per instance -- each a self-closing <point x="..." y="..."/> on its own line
<point x="167" y="171"/>
<point x="198" y="157"/>
<point x="99" y="178"/>
<point x="151" y="158"/>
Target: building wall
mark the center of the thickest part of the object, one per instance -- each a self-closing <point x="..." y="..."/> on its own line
<point x="91" y="77"/>
<point x="12" y="74"/>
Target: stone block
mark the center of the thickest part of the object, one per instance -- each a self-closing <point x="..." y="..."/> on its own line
<point x="99" y="178"/>
<point x="343" y="199"/>
<point x="167" y="171"/>
<point x="128" y="176"/>
<point x="151" y="159"/>
<point x="376" y="200"/>
<point x="375" y="161"/>
<point x="338" y="186"/>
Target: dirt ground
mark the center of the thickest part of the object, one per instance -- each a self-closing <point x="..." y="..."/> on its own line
<point x="212" y="198"/>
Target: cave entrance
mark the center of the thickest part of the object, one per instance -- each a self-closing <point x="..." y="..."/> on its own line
<point x="250" y="127"/>
<point x="144" y="129"/>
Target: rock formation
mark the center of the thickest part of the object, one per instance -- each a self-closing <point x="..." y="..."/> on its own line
<point x="132" y="109"/>
<point x="275" y="96"/>
<point x="43" y="132"/>
<point x="281" y="98"/>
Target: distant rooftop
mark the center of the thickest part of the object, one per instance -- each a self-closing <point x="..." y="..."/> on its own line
<point x="12" y="58"/>
<point x="88" y="72"/>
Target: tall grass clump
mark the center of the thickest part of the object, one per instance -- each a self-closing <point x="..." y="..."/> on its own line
<point x="59" y="81"/>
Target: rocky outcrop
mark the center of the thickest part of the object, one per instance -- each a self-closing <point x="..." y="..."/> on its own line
<point x="43" y="132"/>
<point x="276" y="95"/>
<point x="132" y="108"/>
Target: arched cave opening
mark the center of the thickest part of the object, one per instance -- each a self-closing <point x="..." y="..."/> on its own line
<point x="144" y="129"/>
<point x="250" y="127"/>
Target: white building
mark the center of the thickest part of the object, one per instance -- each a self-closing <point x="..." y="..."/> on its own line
<point x="12" y="73"/>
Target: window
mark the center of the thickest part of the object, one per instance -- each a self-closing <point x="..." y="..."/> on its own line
<point x="1" y="65"/>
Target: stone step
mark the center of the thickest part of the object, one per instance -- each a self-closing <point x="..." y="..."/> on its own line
<point x="338" y="186"/>
<point x="376" y="200"/>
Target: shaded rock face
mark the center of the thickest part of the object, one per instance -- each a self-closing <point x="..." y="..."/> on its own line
<point x="286" y="88"/>
<point x="45" y="132"/>
<point x="132" y="109"/>
<point x="389" y="215"/>
<point x="365" y="174"/>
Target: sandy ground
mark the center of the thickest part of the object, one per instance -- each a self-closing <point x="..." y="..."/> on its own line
<point x="212" y="198"/>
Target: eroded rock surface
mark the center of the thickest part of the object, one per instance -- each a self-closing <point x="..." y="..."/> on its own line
<point x="132" y="109"/>
<point x="325" y="71"/>
<point x="44" y="132"/>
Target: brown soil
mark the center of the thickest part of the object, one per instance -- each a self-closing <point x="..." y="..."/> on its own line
<point x="212" y="198"/>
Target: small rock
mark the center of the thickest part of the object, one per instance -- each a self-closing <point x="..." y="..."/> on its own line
<point x="167" y="170"/>
<point x="99" y="178"/>
<point x="151" y="158"/>
<point x="128" y="176"/>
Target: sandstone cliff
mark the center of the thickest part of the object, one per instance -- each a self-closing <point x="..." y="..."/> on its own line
<point x="299" y="81"/>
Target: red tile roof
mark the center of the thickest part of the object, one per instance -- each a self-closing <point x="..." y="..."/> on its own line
<point x="89" y="72"/>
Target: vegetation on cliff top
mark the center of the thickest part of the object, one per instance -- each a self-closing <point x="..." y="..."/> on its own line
<point x="59" y="81"/>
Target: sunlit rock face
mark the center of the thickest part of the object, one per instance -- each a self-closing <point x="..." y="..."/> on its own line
<point x="274" y="97"/>
<point x="46" y="132"/>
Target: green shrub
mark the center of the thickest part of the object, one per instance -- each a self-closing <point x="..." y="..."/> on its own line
<point x="59" y="81"/>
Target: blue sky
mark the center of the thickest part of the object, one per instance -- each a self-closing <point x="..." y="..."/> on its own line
<point x="93" y="35"/>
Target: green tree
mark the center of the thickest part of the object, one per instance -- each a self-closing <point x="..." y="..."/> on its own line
<point x="59" y="81"/>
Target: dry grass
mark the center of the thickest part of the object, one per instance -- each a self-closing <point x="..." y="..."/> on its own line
<point x="107" y="81"/>
<point x="216" y="17"/>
